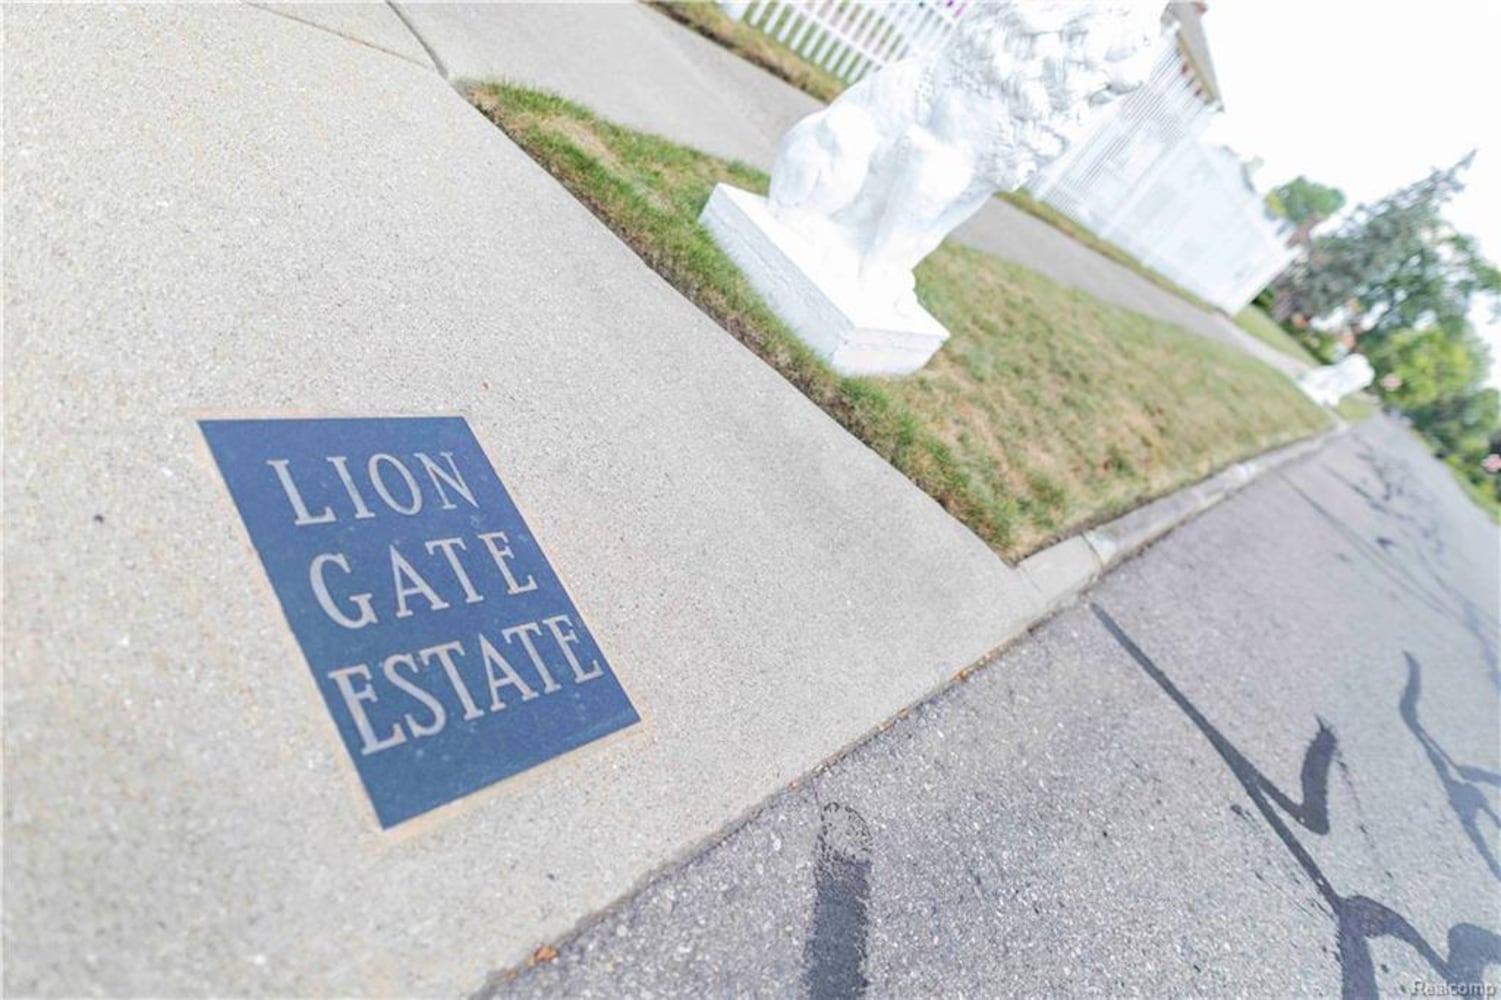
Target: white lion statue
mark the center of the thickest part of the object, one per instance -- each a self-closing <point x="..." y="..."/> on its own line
<point x="1331" y="383"/>
<point x="879" y="177"/>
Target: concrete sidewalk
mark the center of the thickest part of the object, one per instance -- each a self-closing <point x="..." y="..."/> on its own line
<point x="645" y="71"/>
<point x="218" y="209"/>
<point x="232" y="209"/>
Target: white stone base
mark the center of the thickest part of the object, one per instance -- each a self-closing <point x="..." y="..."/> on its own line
<point x="829" y="311"/>
<point x="1331" y="383"/>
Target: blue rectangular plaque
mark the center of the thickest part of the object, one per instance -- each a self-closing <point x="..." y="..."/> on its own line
<point x="443" y="643"/>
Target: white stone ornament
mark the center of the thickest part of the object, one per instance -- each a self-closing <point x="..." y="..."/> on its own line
<point x="1331" y="383"/>
<point x="864" y="189"/>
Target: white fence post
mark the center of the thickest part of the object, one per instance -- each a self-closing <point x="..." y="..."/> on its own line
<point x="850" y="38"/>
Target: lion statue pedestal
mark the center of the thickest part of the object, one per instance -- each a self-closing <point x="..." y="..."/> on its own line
<point x="866" y="188"/>
<point x="1332" y="383"/>
<point x="817" y="293"/>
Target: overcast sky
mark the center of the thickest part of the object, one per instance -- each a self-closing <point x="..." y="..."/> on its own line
<point x="1367" y="96"/>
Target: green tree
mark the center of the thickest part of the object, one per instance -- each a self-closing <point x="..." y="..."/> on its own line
<point x="1406" y="281"/>
<point x="1463" y="431"/>
<point x="1462" y="425"/>
<point x="1301" y="199"/>
<point x="1434" y="364"/>
<point x="1399" y="263"/>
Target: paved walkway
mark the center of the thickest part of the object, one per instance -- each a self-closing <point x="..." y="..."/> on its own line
<point x="644" y="70"/>
<point x="217" y="209"/>
<point x="1266" y="759"/>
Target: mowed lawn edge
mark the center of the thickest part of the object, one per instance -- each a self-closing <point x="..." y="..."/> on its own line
<point x="1047" y="412"/>
<point x="1258" y="324"/>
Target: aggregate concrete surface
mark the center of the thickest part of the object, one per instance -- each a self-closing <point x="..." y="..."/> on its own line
<point x="633" y="66"/>
<point x="1263" y="758"/>
<point x="375" y="24"/>
<point x="219" y="209"/>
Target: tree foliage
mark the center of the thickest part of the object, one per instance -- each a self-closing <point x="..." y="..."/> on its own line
<point x="1405" y="281"/>
<point x="1463" y="431"/>
<point x="1462" y="425"/>
<point x="1433" y="364"/>
<point x="1301" y="199"/>
<point x="1397" y="261"/>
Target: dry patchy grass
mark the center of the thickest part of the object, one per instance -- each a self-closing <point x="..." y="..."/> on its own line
<point x="1047" y="410"/>
<point x="754" y="46"/>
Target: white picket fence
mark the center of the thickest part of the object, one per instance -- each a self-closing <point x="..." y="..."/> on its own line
<point x="851" y="38"/>
<point x="1145" y="179"/>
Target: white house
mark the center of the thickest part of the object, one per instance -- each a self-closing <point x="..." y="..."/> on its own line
<point x="1145" y="179"/>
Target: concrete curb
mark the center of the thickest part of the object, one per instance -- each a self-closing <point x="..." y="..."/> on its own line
<point x="1063" y="571"/>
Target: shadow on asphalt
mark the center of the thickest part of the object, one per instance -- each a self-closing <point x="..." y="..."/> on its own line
<point x="1360" y="919"/>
